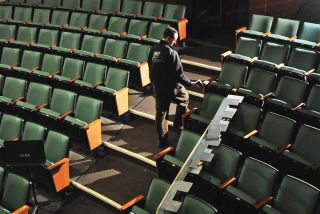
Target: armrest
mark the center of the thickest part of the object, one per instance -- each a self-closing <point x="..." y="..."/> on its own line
<point x="316" y="166"/>
<point x="237" y="88"/>
<point x="253" y="59"/>
<point x="74" y="79"/>
<point x="40" y="107"/>
<point x="22" y="210"/>
<point x="103" y="30"/>
<point x="72" y="50"/>
<point x="266" y="96"/>
<point x="53" y="74"/>
<point x="12" y="66"/>
<point x="292" y="38"/>
<point x="227" y="183"/>
<point x="59" y="163"/>
<point x="31" y="43"/>
<point x="297" y="107"/>
<point x="33" y="69"/>
<point x="279" y="66"/>
<point x="240" y="30"/>
<point x="260" y="204"/>
<point x="227" y="53"/>
<point x="143" y="36"/>
<point x="250" y="134"/>
<point x="131" y="203"/>
<point x="16" y="100"/>
<point x="96" y="85"/>
<point x="122" y="33"/>
<point x="188" y="113"/>
<point x="163" y="153"/>
<point x="309" y="72"/>
<point x="52" y="46"/>
<point x="62" y="116"/>
<point x="266" y="34"/>
<point x="119" y="58"/>
<point x="281" y="149"/>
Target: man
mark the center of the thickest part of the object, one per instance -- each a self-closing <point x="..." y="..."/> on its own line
<point x="168" y="81"/>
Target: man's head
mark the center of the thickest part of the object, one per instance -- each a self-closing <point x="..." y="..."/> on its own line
<point x="170" y="35"/>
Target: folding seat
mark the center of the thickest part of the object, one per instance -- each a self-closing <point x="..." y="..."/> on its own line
<point x="117" y="26"/>
<point x="15" y="194"/>
<point x="68" y="42"/>
<point x="92" y="5"/>
<point x="10" y="57"/>
<point x="97" y="23"/>
<point x="198" y="120"/>
<point x="10" y="128"/>
<point x="26" y="35"/>
<point x="30" y="62"/>
<point x="152" y="10"/>
<point x="5" y="12"/>
<point x="290" y="94"/>
<point x="284" y="30"/>
<point x="131" y="7"/>
<point x="311" y="111"/>
<point x="13" y="90"/>
<point x="51" y="65"/>
<point x="114" y="50"/>
<point x="294" y="196"/>
<point x="309" y="35"/>
<point x="41" y="16"/>
<point x="33" y="131"/>
<point x="252" y="190"/>
<point x="192" y="204"/>
<point x="59" y="19"/>
<point x="22" y="14"/>
<point x="52" y="3"/>
<point x="34" y="2"/>
<point x="47" y="38"/>
<point x="7" y="32"/>
<point x="170" y="160"/>
<point x="78" y="21"/>
<point x="138" y="29"/>
<point x="86" y="121"/>
<point x="258" y="27"/>
<point x="71" y="4"/>
<point x="91" y="45"/>
<point x="156" y="32"/>
<point x="71" y="71"/>
<point x="94" y="75"/>
<point x="302" y="63"/>
<point x="110" y="6"/>
<point x="157" y="190"/>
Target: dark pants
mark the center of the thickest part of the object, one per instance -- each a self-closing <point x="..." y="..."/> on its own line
<point x="163" y="97"/>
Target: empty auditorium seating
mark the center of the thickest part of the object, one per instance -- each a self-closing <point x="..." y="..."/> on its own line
<point x="192" y="204"/>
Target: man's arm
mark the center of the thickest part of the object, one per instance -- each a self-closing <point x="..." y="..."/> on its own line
<point x="180" y="75"/>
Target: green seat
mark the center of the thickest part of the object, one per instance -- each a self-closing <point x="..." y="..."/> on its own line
<point x="312" y="107"/>
<point x="71" y="4"/>
<point x="13" y="88"/>
<point x="50" y="64"/>
<point x="131" y="7"/>
<point x="284" y="29"/>
<point x="116" y="26"/>
<point x="275" y="133"/>
<point x="10" y="128"/>
<point x="174" y="12"/>
<point x="255" y="183"/>
<point x="91" y="45"/>
<point x="305" y="149"/>
<point x="110" y="6"/>
<point x="114" y="49"/>
<point x="309" y="35"/>
<point x="59" y="18"/>
<point x="137" y="29"/>
<point x="92" y="5"/>
<point x="52" y="3"/>
<point x="47" y="38"/>
<point x="59" y="96"/>
<point x="78" y="20"/>
<point x="157" y="190"/>
<point x="22" y="14"/>
<point x="6" y="31"/>
<point x="156" y="32"/>
<point x="5" y="12"/>
<point x="193" y="204"/>
<point x="152" y="10"/>
<point x="33" y="131"/>
<point x="30" y="60"/>
<point x="41" y="16"/>
<point x="15" y="193"/>
<point x="38" y="94"/>
<point x="294" y="196"/>
<point x="68" y="41"/>
<point x="97" y="23"/>
<point x="56" y="147"/>
<point x="136" y="54"/>
<point x="10" y="56"/>
<point x="34" y="2"/>
<point x="116" y="79"/>
<point x="72" y="68"/>
<point x="259" y="24"/>
<point x="16" y="1"/>
<point x="87" y="110"/>
<point x="26" y="35"/>
<point x="93" y="74"/>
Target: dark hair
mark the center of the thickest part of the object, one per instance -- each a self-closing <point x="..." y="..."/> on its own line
<point x="170" y="32"/>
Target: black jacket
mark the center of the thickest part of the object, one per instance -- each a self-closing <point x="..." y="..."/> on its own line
<point x="165" y="66"/>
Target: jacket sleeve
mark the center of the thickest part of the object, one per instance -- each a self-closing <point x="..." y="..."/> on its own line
<point x="178" y="70"/>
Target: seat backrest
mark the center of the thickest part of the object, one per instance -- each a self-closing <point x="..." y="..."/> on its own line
<point x="38" y="94"/>
<point x="110" y="6"/>
<point x="303" y="59"/>
<point x="94" y="73"/>
<point x="92" y="44"/>
<point x="48" y="37"/>
<point x="10" y="56"/>
<point x="72" y="68"/>
<point x="14" y="88"/>
<point x="138" y="27"/>
<point x="5" y="12"/>
<point x="117" y="24"/>
<point x="156" y="30"/>
<point x="51" y="63"/>
<point x="70" y="40"/>
<point x="92" y="5"/>
<point x="97" y="21"/>
<point x="15" y="192"/>
<point x="131" y="6"/>
<point x="233" y="74"/>
<point x="33" y="2"/>
<point x="115" y="48"/>
<point x="275" y="53"/>
<point x="291" y="90"/>
<point x="174" y="11"/>
<point x="261" y="81"/>
<point x="152" y="9"/>
<point x="310" y="32"/>
<point x="261" y="23"/>
<point x="10" y="127"/>
<point x="248" y="47"/>
<point x="7" y="31"/>
<point x="296" y="196"/>
<point x="192" y="204"/>
<point x="30" y="59"/>
<point x="117" y="78"/>
<point x="78" y="19"/>
<point x="313" y="101"/>
<point x="186" y="143"/>
<point x="137" y="52"/>
<point x="88" y="109"/>
<point x="60" y="17"/>
<point x="210" y="105"/>
<point x="59" y="96"/>
<point x="41" y="15"/>
<point x="16" y="1"/>
<point x="22" y="13"/>
<point x="307" y="143"/>
<point x="56" y="146"/>
<point x="27" y="34"/>
<point x="33" y="131"/>
<point x="71" y="4"/>
<point x="286" y="27"/>
<point x="157" y="190"/>
<point x="52" y="3"/>
<point x="257" y="178"/>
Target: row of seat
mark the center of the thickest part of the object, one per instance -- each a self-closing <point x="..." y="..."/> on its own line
<point x="95" y="80"/>
<point x="107" y="26"/>
<point x="298" y="33"/>
<point x="77" y="118"/>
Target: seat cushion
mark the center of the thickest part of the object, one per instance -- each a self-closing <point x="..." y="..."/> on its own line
<point x="248" y="93"/>
<point x="304" y="43"/>
<point x="40" y="46"/>
<point x="139" y="210"/>
<point x="25" y="105"/>
<point x="129" y="62"/>
<point x="240" y="194"/>
<point x="221" y="85"/>
<point x="4" y="210"/>
<point x="251" y="33"/>
<point x="106" y="57"/>
<point x="4" y="66"/>
<point x="292" y="71"/>
<point x="21" y="69"/>
<point x="131" y="36"/>
<point x="278" y="102"/>
<point x="310" y="113"/>
<point x="152" y="40"/>
<point x="263" y="143"/>
<point x="5" y="99"/>
<point x="85" y="53"/>
<point x="41" y="73"/>
<point x="200" y="118"/>
<point x="213" y="180"/>
<point x="83" y="83"/>
<point x="75" y="121"/>
<point x="50" y="112"/>
<point x="265" y="64"/>
<point x="270" y="210"/>
<point x="297" y="158"/>
<point x="106" y="89"/>
<point x="62" y="49"/>
<point x="173" y="160"/>
<point x="239" y="57"/>
<point x="110" y="33"/>
<point x="277" y="37"/>
<point x="61" y="78"/>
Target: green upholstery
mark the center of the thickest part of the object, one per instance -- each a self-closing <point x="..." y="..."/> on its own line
<point x="69" y="40"/>
<point x="22" y="14"/>
<point x="303" y="59"/>
<point x="33" y="131"/>
<point x="255" y="183"/>
<point x="137" y="52"/>
<point x="157" y="190"/>
<point x="33" y="2"/>
<point x="52" y="3"/>
<point x="116" y="79"/>
<point x="156" y="31"/>
<point x="97" y="22"/>
<point x="152" y="9"/>
<point x="71" y="68"/>
<point x="91" y="5"/>
<point x="131" y="7"/>
<point x="7" y="31"/>
<point x="248" y="47"/>
<point x="30" y="59"/>
<point x="88" y="109"/>
<point x="15" y="192"/>
<point x="210" y="105"/>
<point x="310" y="32"/>
<point x="48" y="37"/>
<point x="110" y="6"/>
<point x="5" y="12"/>
<point x="71" y="4"/>
<point x="305" y="148"/>
<point x="137" y="28"/>
<point x="191" y="205"/>
<point x="276" y="131"/>
<point x="10" y="56"/>
<point x="117" y="24"/>
<point x="59" y="17"/>
<point x="115" y="48"/>
<point x="294" y="196"/>
<point x="26" y="34"/>
<point x="10" y="127"/>
<point x="56" y="146"/>
<point x="261" y="23"/>
<point x="13" y="88"/>
<point x="174" y="12"/>
<point x="312" y="103"/>
<point x="286" y="27"/>
<point x="78" y="19"/>
<point x="275" y="53"/>
<point x="16" y="1"/>
<point x="41" y="16"/>
<point x="51" y="63"/>
<point x="92" y="44"/>
<point x="93" y="73"/>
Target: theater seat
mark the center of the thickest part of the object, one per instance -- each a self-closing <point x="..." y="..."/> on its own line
<point x="51" y="65"/>
<point x="10" y="57"/>
<point x="71" y="4"/>
<point x="25" y="36"/>
<point x="71" y="71"/>
<point x="97" y="23"/>
<point x="68" y="41"/>
<point x="156" y="32"/>
<point x="311" y="111"/>
<point x="284" y="30"/>
<point x="117" y="26"/>
<point x="78" y="21"/>
<point x="52" y="3"/>
<point x="114" y="50"/>
<point x="110" y="6"/>
<point x="22" y="14"/>
<point x="138" y="29"/>
<point x="10" y="128"/>
<point x="33" y="131"/>
<point x="5" y="12"/>
<point x="41" y="16"/>
<point x="47" y="38"/>
<point x="131" y="7"/>
<point x="94" y="75"/>
<point x="152" y="10"/>
<point x="92" y="5"/>
<point x="192" y="204"/>
<point x="309" y="35"/>
<point x="30" y="62"/>
<point x="59" y="18"/>
<point x="13" y="90"/>
<point x="91" y="46"/>
<point x="7" y="32"/>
